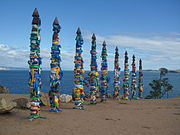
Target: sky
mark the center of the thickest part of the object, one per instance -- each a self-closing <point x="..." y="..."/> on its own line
<point x="149" y="29"/>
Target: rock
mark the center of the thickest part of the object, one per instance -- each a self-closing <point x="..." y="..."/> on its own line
<point x="121" y="96"/>
<point x="21" y="103"/>
<point x="6" y="106"/>
<point x="64" y="98"/>
<point x="45" y="99"/>
<point x="87" y="95"/>
<point x="118" y="97"/>
<point x="109" y="95"/>
<point x="28" y="105"/>
<point x="98" y="95"/>
<point x="3" y="89"/>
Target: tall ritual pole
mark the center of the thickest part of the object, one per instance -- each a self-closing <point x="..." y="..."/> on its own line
<point x="56" y="72"/>
<point x="140" y="85"/>
<point x="78" y="90"/>
<point x="116" y="74"/>
<point x="104" y="73"/>
<point x="126" y="77"/>
<point x="34" y="67"/>
<point x="133" y="79"/>
<point x="93" y="74"/>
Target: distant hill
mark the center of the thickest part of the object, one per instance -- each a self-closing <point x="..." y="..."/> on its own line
<point x="151" y="70"/>
<point x="12" y="68"/>
<point x="175" y="71"/>
<point x="46" y="68"/>
<point x="17" y="68"/>
<point x="170" y="71"/>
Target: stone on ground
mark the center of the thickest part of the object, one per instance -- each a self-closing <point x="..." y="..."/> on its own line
<point x="64" y="98"/>
<point x="3" y="90"/>
<point x="6" y="106"/>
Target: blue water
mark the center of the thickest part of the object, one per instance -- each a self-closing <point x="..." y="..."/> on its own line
<point x="17" y="82"/>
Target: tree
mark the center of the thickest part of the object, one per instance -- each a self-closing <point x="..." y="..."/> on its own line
<point x="167" y="87"/>
<point x="163" y="72"/>
<point x="161" y="86"/>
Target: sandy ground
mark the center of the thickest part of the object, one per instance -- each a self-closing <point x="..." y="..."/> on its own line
<point x="135" y="117"/>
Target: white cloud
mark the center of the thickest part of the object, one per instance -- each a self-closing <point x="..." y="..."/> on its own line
<point x="155" y="51"/>
<point x="13" y="56"/>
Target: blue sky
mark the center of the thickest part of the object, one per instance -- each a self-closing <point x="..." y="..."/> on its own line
<point x="150" y="29"/>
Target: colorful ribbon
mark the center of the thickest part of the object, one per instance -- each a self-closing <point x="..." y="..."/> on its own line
<point x="104" y="73"/>
<point x="133" y="79"/>
<point x="34" y="67"/>
<point x="116" y="74"/>
<point x="126" y="78"/>
<point x="140" y="85"/>
<point x="93" y="74"/>
<point x="78" y="91"/>
<point x="56" y="72"/>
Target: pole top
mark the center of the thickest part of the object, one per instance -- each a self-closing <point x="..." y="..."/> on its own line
<point x="133" y="57"/>
<point x="94" y="36"/>
<point x="104" y="43"/>
<point x="78" y="31"/>
<point x="56" y="21"/>
<point x="35" y="13"/>
<point x="140" y="63"/>
<point x="126" y="53"/>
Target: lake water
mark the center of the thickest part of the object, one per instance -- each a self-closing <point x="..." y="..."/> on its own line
<point x="17" y="82"/>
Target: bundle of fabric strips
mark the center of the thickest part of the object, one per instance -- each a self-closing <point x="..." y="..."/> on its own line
<point x="104" y="73"/>
<point x="141" y="85"/>
<point x="34" y="67"/>
<point x="56" y="72"/>
<point x="116" y="74"/>
<point x="126" y="78"/>
<point x="78" y="91"/>
<point x="93" y="74"/>
<point x="133" y="79"/>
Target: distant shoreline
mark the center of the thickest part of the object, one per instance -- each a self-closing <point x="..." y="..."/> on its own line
<point x="3" y="68"/>
<point x="25" y="69"/>
<point x="170" y="71"/>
